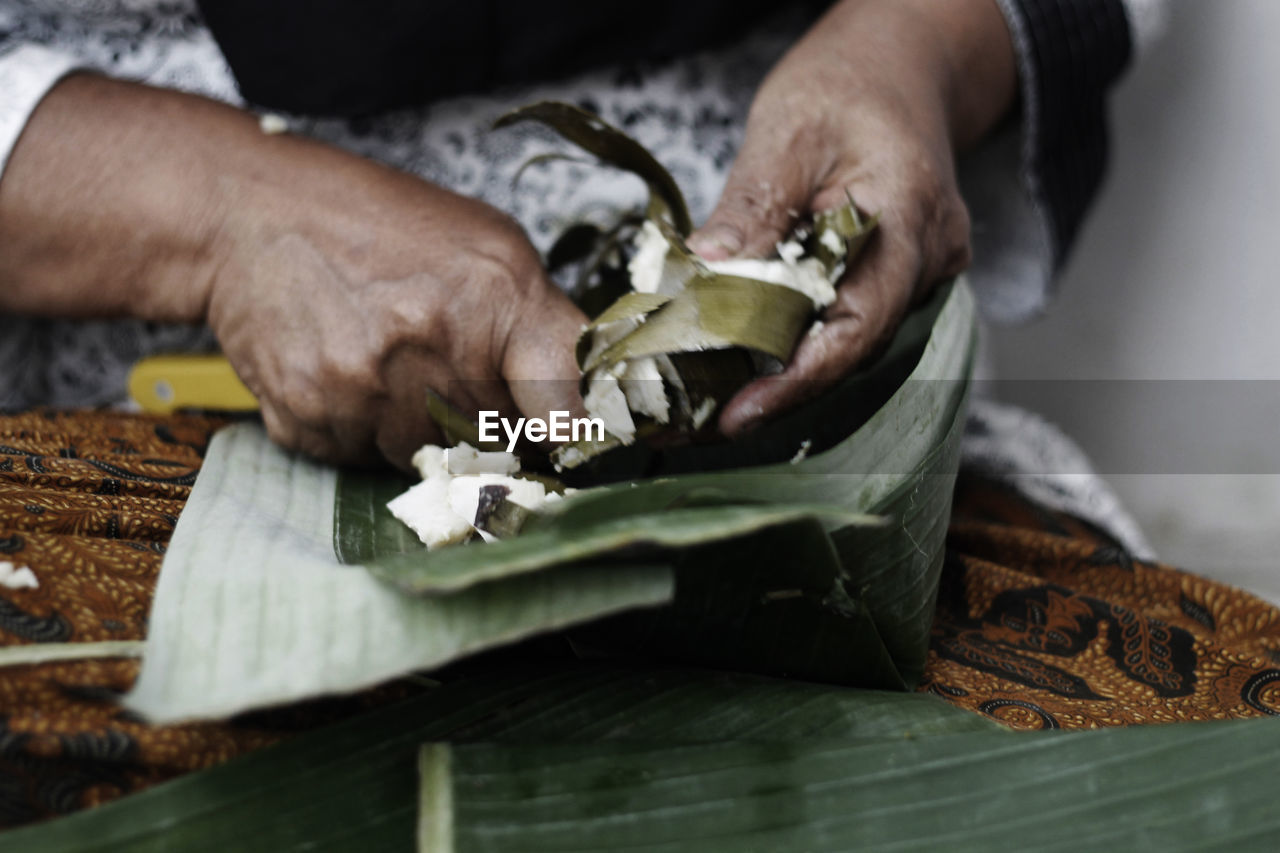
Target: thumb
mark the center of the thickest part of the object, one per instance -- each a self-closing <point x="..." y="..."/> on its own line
<point x="539" y="364"/>
<point x="769" y="186"/>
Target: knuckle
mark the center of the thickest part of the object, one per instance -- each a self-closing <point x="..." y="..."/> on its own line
<point x="306" y="404"/>
<point x="354" y="365"/>
<point x="279" y="429"/>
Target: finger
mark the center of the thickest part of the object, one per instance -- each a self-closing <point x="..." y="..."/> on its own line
<point x="403" y="420"/>
<point x="293" y="435"/>
<point x="402" y="431"/>
<point x="539" y="365"/>
<point x="772" y="179"/>
<point x="870" y="303"/>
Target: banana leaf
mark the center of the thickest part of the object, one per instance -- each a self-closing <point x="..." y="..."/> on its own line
<point x="253" y="608"/>
<point x="561" y="541"/>
<point x="614" y="147"/>
<point x="1190" y="786"/>
<point x="352" y="787"/>
<point x="855" y="609"/>
<point x="716" y="312"/>
<point x="580" y="757"/>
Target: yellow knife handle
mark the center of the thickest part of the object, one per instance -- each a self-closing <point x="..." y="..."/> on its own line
<point x="166" y="383"/>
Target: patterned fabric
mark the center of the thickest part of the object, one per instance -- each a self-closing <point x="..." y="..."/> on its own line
<point x="1044" y="622"/>
<point x="87" y="502"/>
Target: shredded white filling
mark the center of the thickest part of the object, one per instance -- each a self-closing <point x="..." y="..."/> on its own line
<point x="430" y="508"/>
<point x="806" y="276"/>
<point x="465" y="459"/>
<point x="605" y="400"/>
<point x="642" y="385"/>
<point x="647" y="263"/>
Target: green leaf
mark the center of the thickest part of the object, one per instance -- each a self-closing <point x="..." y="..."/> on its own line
<point x="1159" y="788"/>
<point x="629" y="307"/>
<point x="456" y="426"/>
<point x="717" y="312"/>
<point x="851" y="229"/>
<point x="866" y="619"/>
<point x="564" y="539"/>
<point x="363" y="529"/>
<point x="353" y="786"/>
<point x="253" y="608"/>
<point x="591" y="133"/>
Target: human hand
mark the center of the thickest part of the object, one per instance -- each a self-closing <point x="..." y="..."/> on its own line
<point x="341" y="290"/>
<point x="347" y="289"/>
<point x="871" y="103"/>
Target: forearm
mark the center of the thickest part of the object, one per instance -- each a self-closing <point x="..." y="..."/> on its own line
<point x="110" y="203"/>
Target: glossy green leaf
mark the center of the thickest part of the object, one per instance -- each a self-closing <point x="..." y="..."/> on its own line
<point x="565" y="540"/>
<point x="253" y="608"/>
<point x="353" y="786"/>
<point x="1147" y="788"/>
<point x="865" y="618"/>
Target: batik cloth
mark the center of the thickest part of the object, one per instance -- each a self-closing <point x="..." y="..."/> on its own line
<point x="1043" y="620"/>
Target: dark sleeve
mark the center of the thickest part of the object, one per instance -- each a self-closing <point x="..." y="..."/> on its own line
<point x="353" y="57"/>
<point x="1070" y="54"/>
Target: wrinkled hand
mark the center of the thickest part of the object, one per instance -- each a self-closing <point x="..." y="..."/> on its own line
<point x="347" y="290"/>
<point x="340" y="289"/>
<point x="872" y="102"/>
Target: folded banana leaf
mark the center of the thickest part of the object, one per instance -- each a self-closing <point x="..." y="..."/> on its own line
<point x="353" y="786"/>
<point x="253" y="608"/>
<point x="674" y="336"/>
<point x="826" y="593"/>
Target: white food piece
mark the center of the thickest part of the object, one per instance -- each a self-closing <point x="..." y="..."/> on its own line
<point x="790" y="252"/>
<point x="816" y="328"/>
<point x="12" y="577"/>
<point x="605" y="400"/>
<point x="464" y="495"/>
<point x="569" y="457"/>
<point x="641" y="383"/>
<point x="430" y="462"/>
<point x="465" y="459"/>
<point x="425" y="508"/>
<point x="806" y="276"/>
<point x="832" y="241"/>
<point x="803" y="452"/>
<point x="646" y="264"/>
<point x="272" y="124"/>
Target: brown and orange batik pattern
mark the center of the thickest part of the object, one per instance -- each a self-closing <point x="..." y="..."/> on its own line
<point x="88" y="502"/>
<point x="1043" y="622"/>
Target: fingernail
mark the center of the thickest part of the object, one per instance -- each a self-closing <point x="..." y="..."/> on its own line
<point x="716" y="243"/>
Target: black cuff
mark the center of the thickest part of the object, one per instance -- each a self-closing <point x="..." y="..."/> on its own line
<point x="1071" y="52"/>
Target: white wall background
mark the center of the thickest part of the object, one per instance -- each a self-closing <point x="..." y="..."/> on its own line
<point x="1177" y="276"/>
